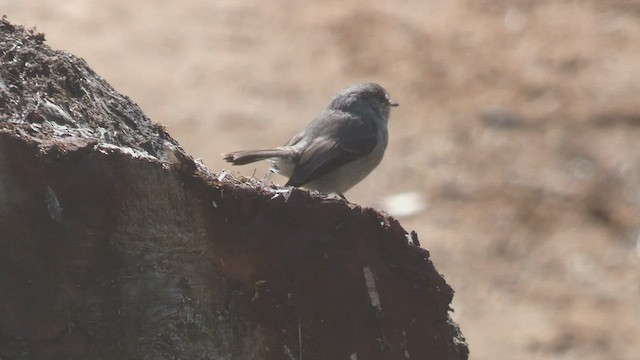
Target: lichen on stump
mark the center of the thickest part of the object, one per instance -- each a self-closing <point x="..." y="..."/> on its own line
<point x="116" y="244"/>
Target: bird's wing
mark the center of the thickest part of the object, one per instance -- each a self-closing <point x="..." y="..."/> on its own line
<point x="346" y="138"/>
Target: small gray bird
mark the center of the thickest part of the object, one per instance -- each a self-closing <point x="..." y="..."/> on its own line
<point x="338" y="148"/>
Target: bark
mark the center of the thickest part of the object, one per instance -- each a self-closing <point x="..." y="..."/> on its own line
<point x="115" y="244"/>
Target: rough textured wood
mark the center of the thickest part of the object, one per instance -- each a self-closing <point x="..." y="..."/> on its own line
<point x="116" y="244"/>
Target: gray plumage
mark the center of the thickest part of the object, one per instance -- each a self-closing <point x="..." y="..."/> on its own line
<point x="339" y="148"/>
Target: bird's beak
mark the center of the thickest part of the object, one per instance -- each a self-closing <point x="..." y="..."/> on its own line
<point x="393" y="103"/>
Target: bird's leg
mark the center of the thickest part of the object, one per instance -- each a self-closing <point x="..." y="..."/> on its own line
<point x="267" y="177"/>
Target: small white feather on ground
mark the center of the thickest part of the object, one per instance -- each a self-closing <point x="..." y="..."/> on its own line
<point x="404" y="204"/>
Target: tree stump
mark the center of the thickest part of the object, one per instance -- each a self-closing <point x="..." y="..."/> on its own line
<point x="115" y="244"/>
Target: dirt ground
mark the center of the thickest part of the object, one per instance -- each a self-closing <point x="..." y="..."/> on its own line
<point x="518" y="125"/>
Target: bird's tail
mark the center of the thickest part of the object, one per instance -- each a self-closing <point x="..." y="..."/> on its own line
<point x="249" y="156"/>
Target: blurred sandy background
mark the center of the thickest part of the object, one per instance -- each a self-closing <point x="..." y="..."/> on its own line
<point x="519" y="125"/>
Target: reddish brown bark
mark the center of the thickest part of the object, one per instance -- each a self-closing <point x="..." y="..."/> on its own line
<point x="116" y="244"/>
